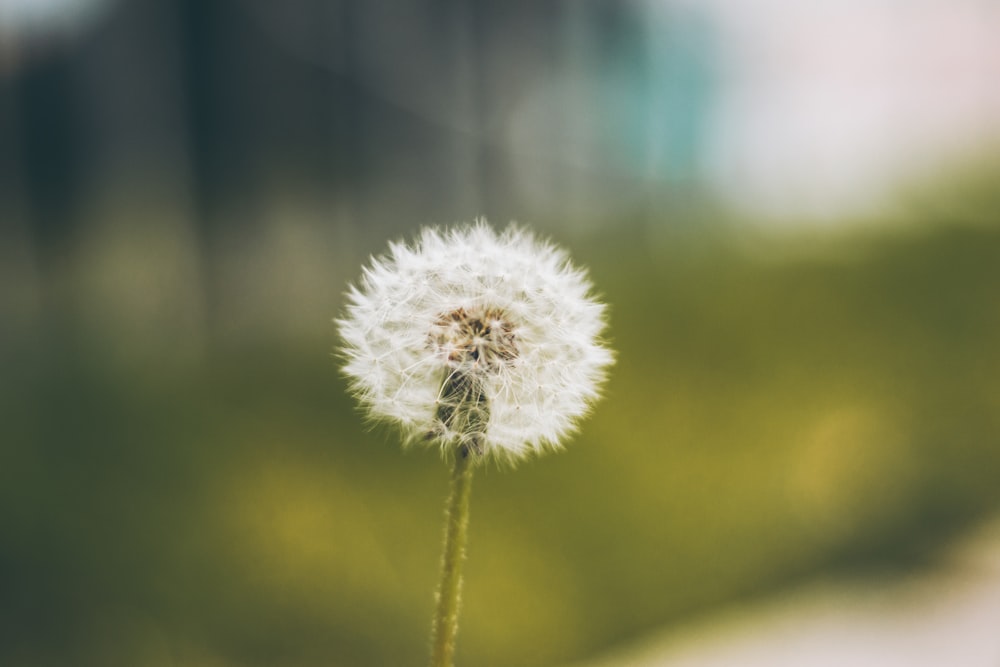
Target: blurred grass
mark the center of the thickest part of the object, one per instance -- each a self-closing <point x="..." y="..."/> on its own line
<point x="773" y="416"/>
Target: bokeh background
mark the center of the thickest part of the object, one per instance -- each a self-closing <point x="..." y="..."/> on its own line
<point x="792" y="208"/>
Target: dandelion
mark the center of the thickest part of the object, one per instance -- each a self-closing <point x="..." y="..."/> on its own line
<point x="486" y="345"/>
<point x="477" y="340"/>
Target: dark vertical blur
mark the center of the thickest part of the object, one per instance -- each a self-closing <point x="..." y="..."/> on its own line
<point x="189" y="146"/>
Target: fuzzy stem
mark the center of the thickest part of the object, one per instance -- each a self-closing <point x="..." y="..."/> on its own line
<point x="449" y="589"/>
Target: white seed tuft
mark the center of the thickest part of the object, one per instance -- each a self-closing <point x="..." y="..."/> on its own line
<point x="476" y="341"/>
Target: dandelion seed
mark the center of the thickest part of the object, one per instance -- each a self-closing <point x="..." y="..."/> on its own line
<point x="476" y="339"/>
<point x="486" y="344"/>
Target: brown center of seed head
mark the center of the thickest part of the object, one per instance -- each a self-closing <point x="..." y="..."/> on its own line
<point x="477" y="338"/>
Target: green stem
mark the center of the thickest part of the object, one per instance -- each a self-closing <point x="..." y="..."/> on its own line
<point x="449" y="590"/>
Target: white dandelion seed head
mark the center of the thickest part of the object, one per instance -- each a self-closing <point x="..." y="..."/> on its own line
<point x="477" y="338"/>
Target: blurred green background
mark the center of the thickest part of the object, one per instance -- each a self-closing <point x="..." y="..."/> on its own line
<point x="183" y="478"/>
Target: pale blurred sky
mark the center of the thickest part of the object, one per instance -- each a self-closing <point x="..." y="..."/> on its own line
<point x="827" y="107"/>
<point x="30" y="18"/>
